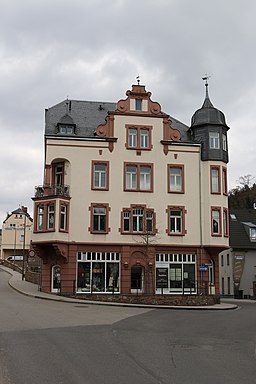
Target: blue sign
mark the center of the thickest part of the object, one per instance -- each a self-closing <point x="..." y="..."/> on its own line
<point x="203" y="268"/>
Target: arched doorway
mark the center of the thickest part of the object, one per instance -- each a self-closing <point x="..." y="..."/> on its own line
<point x="55" y="279"/>
<point x="137" y="279"/>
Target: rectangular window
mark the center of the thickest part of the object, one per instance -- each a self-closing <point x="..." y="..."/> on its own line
<point x="176" y="218"/>
<point x="99" y="218"/>
<point x="126" y="221"/>
<point x="138" y="220"/>
<point x="145" y="177"/>
<point x="50" y="216"/>
<point x="225" y="221"/>
<point x="63" y="217"/>
<point x="149" y="221"/>
<point x="131" y="177"/>
<point x="132" y="137"/>
<point x="40" y="218"/>
<point x="216" y="221"/>
<point x="144" y="138"/>
<point x="100" y="175"/>
<point x="176" y="178"/>
<point x="138" y="177"/>
<point x="58" y="174"/>
<point x="215" y="179"/>
<point x="98" y="276"/>
<point x="222" y="286"/>
<point x="253" y="234"/>
<point x="224" y="181"/>
<point x="222" y="260"/>
<point x="228" y="285"/>
<point x="66" y="129"/>
<point x="224" y="142"/>
<point x="214" y="140"/>
<point x="138" y="104"/>
<point x="44" y="216"/>
<point x="138" y="137"/>
<point x="227" y="258"/>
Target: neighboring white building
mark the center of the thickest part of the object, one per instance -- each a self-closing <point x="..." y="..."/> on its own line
<point x="132" y="199"/>
<point x="238" y="264"/>
<point x="16" y="233"/>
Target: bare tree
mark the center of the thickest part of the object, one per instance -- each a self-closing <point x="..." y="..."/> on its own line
<point x="146" y="241"/>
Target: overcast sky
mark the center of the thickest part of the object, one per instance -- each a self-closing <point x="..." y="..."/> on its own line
<point x="94" y="49"/>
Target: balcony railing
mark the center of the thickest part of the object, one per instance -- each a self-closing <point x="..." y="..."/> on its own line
<point x="52" y="190"/>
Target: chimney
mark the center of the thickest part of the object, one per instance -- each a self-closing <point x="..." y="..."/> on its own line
<point x="24" y="209"/>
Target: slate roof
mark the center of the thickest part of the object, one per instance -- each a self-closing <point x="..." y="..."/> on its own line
<point x="208" y="114"/>
<point x="18" y="211"/>
<point x="240" y="222"/>
<point x="87" y="115"/>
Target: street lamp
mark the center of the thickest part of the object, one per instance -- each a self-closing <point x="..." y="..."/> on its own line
<point x="24" y="245"/>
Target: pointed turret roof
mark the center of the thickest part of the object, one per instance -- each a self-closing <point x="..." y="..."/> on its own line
<point x="208" y="114"/>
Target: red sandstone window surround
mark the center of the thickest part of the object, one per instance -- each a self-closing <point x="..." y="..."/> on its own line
<point x="99" y="218"/>
<point x="138" y="177"/>
<point x="45" y="216"/>
<point x="138" y="220"/>
<point x="224" y="181"/>
<point x="64" y="216"/>
<point x="176" y="178"/>
<point x="215" y="179"/>
<point x="100" y="175"/>
<point x="216" y="227"/>
<point x="138" y="137"/>
<point x="176" y="220"/>
<point x="225" y="222"/>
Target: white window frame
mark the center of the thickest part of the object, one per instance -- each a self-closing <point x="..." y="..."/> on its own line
<point x="175" y="179"/>
<point x="100" y="176"/>
<point x="175" y="220"/>
<point x="214" y="140"/>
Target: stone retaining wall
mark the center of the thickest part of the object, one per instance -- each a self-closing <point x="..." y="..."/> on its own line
<point x="186" y="300"/>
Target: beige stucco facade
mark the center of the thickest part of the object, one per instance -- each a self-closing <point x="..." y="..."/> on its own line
<point x="195" y="199"/>
<point x="16" y="233"/>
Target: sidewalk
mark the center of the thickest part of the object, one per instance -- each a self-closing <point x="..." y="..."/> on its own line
<point x="30" y="289"/>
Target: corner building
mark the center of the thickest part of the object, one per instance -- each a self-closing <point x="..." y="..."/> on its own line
<point x="133" y="200"/>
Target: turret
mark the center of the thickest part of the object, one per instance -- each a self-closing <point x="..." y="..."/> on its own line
<point x="208" y="126"/>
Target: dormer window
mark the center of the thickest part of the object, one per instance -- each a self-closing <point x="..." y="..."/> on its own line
<point x="66" y="126"/>
<point x="66" y="129"/>
<point x="253" y="234"/>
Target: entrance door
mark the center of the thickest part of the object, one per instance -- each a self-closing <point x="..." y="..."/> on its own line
<point x="137" y="279"/>
<point x="55" y="279"/>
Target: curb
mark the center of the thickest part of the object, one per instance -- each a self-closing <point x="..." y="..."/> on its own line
<point x="218" y="307"/>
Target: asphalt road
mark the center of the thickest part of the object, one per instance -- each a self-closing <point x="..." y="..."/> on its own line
<point x="64" y="343"/>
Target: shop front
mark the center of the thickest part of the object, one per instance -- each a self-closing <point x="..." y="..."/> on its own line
<point x="98" y="272"/>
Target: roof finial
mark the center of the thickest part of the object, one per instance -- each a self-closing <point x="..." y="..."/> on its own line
<point x="67" y="102"/>
<point x="138" y="79"/>
<point x="207" y="103"/>
<point x="206" y="78"/>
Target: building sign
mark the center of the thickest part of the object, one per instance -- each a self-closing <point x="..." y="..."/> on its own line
<point x="161" y="277"/>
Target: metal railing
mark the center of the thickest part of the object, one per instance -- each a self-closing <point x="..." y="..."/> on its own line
<point x="52" y="190"/>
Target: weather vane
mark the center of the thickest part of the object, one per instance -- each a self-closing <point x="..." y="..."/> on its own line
<point x="138" y="79"/>
<point x="206" y="78"/>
